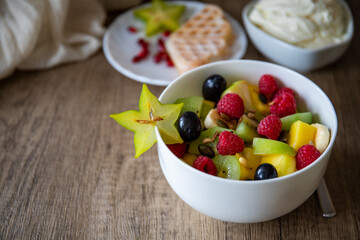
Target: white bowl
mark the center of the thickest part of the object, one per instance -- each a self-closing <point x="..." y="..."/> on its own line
<point x="246" y="201"/>
<point x="299" y="59"/>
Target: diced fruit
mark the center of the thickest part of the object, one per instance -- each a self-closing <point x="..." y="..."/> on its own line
<point x="270" y="127"/>
<point x="189" y="126"/>
<point x="263" y="146"/>
<point x="246" y="132"/>
<point x="211" y="119"/>
<point x="287" y="121"/>
<point x="232" y="105"/>
<point x="267" y="84"/>
<point x="179" y="149"/>
<point x="189" y="158"/>
<point x="283" y="105"/>
<point x="193" y="104"/>
<point x="207" y="106"/>
<point x="306" y="155"/>
<point x="207" y="134"/>
<point x="265" y="171"/>
<point x="284" y="164"/>
<point x="300" y="134"/>
<point x="322" y="137"/>
<point x="253" y="161"/>
<point x="229" y="143"/>
<point x="213" y="87"/>
<point x="227" y="166"/>
<point x="160" y="16"/>
<point x="205" y="165"/>
<point x="246" y="172"/>
<point x="241" y="88"/>
<point x="260" y="106"/>
<point x="151" y="113"/>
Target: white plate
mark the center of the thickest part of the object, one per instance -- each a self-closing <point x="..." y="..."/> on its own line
<point x="120" y="46"/>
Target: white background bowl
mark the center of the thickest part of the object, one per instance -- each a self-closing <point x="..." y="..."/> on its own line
<point x="299" y="59"/>
<point x="246" y="201"/>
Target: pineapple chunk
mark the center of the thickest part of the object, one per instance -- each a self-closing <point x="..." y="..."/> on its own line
<point x="260" y="106"/>
<point x="301" y="134"/>
<point x="284" y="164"/>
<point x="189" y="158"/>
<point x="248" y="163"/>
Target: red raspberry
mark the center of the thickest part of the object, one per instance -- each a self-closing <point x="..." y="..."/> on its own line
<point x="232" y="105"/>
<point x="306" y="155"/>
<point x="179" y="149"/>
<point x="282" y="90"/>
<point x="205" y="165"/>
<point x="267" y="84"/>
<point x="270" y="127"/>
<point x="283" y="105"/>
<point x="229" y="143"/>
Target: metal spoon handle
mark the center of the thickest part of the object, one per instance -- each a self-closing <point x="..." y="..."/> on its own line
<point x="326" y="204"/>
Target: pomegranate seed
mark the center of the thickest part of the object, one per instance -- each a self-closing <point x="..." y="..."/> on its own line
<point x="169" y="62"/>
<point x="136" y="59"/>
<point x="143" y="53"/>
<point x="161" y="45"/>
<point x="132" y="29"/>
<point x="143" y="43"/>
<point x="166" y="33"/>
<point x="159" y="56"/>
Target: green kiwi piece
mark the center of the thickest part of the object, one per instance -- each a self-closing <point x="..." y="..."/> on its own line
<point x="193" y="104"/>
<point x="290" y="119"/>
<point x="246" y="132"/>
<point x="194" y="145"/>
<point x="228" y="166"/>
<point x="205" y="109"/>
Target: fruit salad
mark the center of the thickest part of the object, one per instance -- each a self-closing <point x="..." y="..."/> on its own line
<point x="240" y="132"/>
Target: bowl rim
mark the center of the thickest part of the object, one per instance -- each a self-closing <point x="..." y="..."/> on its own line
<point x="253" y="182"/>
<point x="348" y="35"/>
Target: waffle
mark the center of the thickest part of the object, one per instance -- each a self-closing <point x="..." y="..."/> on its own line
<point x="204" y="38"/>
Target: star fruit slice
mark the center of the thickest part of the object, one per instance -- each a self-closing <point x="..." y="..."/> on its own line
<point x="151" y="113"/>
<point x="160" y="16"/>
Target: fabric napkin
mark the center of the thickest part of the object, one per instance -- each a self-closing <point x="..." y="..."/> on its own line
<point x="39" y="34"/>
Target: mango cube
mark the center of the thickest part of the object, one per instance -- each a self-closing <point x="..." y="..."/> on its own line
<point x="284" y="164"/>
<point x="260" y="106"/>
<point x="189" y="158"/>
<point x="301" y="134"/>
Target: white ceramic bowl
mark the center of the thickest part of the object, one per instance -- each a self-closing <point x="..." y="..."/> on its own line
<point x="299" y="59"/>
<point x="246" y="201"/>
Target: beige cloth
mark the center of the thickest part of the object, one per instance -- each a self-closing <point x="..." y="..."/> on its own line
<point x="39" y="34"/>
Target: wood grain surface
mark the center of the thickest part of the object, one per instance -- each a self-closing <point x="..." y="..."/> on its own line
<point x="67" y="170"/>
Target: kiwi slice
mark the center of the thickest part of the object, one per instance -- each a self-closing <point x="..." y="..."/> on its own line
<point x="193" y="104"/>
<point x="194" y="145"/>
<point x="290" y="119"/>
<point x="205" y="109"/>
<point x="228" y="166"/>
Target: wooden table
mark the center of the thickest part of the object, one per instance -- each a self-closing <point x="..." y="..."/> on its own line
<point x="67" y="170"/>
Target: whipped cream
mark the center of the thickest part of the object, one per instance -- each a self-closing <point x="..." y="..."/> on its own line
<point x="303" y="23"/>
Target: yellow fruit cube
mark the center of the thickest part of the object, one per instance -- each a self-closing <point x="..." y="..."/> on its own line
<point x="260" y="106"/>
<point x="248" y="163"/>
<point x="189" y="158"/>
<point x="284" y="164"/>
<point x="301" y="134"/>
